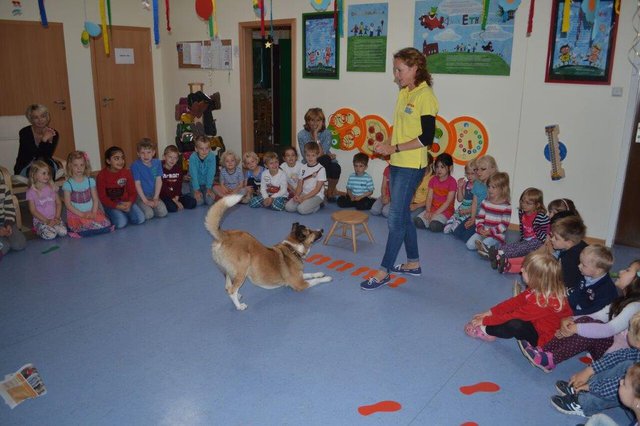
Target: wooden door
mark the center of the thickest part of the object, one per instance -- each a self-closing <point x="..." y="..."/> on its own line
<point x="628" y="230"/>
<point x="124" y="94"/>
<point x="33" y="69"/>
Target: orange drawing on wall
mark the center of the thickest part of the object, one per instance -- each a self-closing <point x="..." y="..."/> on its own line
<point x="470" y="139"/>
<point x="375" y="129"/>
<point x="345" y="122"/>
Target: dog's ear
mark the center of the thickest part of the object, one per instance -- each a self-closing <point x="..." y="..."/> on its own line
<point x="300" y="232"/>
<point x="294" y="226"/>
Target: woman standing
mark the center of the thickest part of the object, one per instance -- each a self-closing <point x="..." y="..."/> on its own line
<point x="414" y="122"/>
<point x="38" y="141"/>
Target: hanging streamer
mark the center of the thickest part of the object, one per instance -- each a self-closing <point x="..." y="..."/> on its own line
<point x="485" y="14"/>
<point x="340" y="17"/>
<point x="166" y="7"/>
<point x="211" y="27"/>
<point x="109" y="12"/>
<point x="530" y="21"/>
<point x="262" y="32"/>
<point x="214" y="15"/>
<point x="43" y="14"/>
<point x="156" y="20"/>
<point x="566" y="13"/>
<point x="616" y="7"/>
<point x="105" y="34"/>
<point x="271" y="34"/>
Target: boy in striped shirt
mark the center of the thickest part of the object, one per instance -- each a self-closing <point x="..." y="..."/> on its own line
<point x="359" y="186"/>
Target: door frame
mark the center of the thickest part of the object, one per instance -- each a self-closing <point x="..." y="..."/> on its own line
<point x="627" y="135"/>
<point x="245" y="35"/>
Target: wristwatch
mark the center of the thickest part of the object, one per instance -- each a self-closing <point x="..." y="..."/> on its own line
<point x="398" y="148"/>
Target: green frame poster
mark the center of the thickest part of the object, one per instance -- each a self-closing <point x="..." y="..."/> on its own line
<point x="367" y="37"/>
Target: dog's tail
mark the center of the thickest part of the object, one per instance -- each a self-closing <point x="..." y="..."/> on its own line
<point x="214" y="216"/>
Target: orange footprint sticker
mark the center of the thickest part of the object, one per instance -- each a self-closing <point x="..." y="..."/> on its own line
<point x="480" y="387"/>
<point x="382" y="406"/>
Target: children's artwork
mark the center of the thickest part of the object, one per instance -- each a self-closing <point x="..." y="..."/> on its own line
<point x="367" y="40"/>
<point x="320" y="46"/>
<point x="462" y="37"/>
<point x="375" y="129"/>
<point x="24" y="384"/>
<point x="555" y="151"/>
<point x="584" y="52"/>
<point x="345" y="126"/>
<point x="470" y="139"/>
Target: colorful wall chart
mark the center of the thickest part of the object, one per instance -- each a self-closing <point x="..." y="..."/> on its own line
<point x="367" y="37"/>
<point x="451" y="34"/>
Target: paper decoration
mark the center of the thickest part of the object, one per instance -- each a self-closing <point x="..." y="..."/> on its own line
<point x="320" y="5"/>
<point x="374" y="129"/>
<point x="443" y="140"/>
<point x="346" y="123"/>
<point x="105" y="34"/>
<point x="43" y="14"/>
<point x="204" y="8"/>
<point x="470" y="139"/>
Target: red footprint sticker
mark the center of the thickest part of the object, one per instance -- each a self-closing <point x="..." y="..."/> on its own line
<point x="313" y="257"/>
<point x="587" y="360"/>
<point x="398" y="282"/>
<point x="469" y="424"/>
<point x="361" y="270"/>
<point x="335" y="264"/>
<point x="382" y="406"/>
<point x="480" y="387"/>
<point x="345" y="267"/>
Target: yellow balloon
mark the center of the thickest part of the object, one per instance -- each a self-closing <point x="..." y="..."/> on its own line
<point x="84" y="37"/>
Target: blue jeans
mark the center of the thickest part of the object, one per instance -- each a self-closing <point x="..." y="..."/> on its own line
<point x="591" y="403"/>
<point x="120" y="219"/>
<point x="488" y="241"/>
<point x="403" y="183"/>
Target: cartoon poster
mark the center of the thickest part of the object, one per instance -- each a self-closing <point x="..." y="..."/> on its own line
<point x="582" y="52"/>
<point x="320" y="46"/>
<point x="367" y="38"/>
<point x="450" y="33"/>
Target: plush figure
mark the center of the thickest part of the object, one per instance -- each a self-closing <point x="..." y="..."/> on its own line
<point x="201" y="106"/>
<point x="184" y="133"/>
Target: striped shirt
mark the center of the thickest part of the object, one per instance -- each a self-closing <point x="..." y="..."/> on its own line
<point x="494" y="218"/>
<point x="7" y="210"/>
<point x="359" y="185"/>
<point x="540" y="226"/>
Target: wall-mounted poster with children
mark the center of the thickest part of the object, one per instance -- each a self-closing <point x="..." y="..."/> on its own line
<point x="581" y="43"/>
<point x="367" y="40"/>
<point x="320" y="46"/>
<point x="465" y="36"/>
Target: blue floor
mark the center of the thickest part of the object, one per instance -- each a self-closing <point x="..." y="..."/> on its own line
<point x="135" y="327"/>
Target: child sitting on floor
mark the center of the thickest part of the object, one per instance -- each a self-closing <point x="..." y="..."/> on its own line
<point x="202" y="170"/>
<point x="309" y="196"/>
<point x="84" y="217"/>
<point x="147" y="172"/>
<point x="359" y="186"/>
<point x="442" y="191"/>
<point x="172" y="177"/>
<point x="494" y="216"/>
<point x="273" y="185"/>
<point x="44" y="203"/>
<point x="291" y="167"/>
<point x="232" y="180"/>
<point x="464" y="195"/>
<point x="253" y="175"/>
<point x="534" y="228"/>
<point x="533" y="315"/>
<point x="566" y="237"/>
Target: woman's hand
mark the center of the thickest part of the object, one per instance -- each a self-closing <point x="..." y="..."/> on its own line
<point x="384" y="148"/>
<point x="332" y="155"/>
<point x="48" y="135"/>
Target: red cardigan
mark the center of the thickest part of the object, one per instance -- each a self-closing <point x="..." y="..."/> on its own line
<point x="545" y="320"/>
<point x="115" y="187"/>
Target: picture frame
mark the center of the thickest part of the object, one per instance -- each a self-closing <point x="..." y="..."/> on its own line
<point x="320" y="46"/>
<point x="584" y="53"/>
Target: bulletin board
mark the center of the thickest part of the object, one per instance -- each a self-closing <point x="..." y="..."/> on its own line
<point x="204" y="54"/>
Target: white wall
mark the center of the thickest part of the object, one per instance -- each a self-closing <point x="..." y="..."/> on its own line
<point x="514" y="109"/>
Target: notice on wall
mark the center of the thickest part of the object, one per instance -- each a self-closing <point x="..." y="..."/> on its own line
<point x="367" y="40"/>
<point x="124" y="56"/>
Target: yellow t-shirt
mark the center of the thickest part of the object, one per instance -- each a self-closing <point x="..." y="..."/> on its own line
<point x="420" y="197"/>
<point x="412" y="105"/>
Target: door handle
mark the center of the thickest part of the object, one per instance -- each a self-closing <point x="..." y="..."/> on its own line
<point x="105" y="101"/>
<point x="61" y="103"/>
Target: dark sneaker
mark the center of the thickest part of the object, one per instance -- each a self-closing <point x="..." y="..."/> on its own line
<point x="493" y="257"/>
<point x="564" y="388"/>
<point x="372" y="283"/>
<point x="419" y="222"/>
<point x="567" y="404"/>
<point x="483" y="250"/>
<point x="398" y="269"/>
<point x="502" y="263"/>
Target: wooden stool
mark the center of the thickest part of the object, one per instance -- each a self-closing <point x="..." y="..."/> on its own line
<point x="350" y="218"/>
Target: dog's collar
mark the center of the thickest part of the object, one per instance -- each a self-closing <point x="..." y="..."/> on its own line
<point x="293" y="250"/>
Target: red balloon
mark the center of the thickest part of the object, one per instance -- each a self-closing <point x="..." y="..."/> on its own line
<point x="204" y="8"/>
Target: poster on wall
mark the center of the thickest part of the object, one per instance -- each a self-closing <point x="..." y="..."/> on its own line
<point x="320" y="46"/>
<point x="367" y="39"/>
<point x="451" y="35"/>
<point x="581" y="42"/>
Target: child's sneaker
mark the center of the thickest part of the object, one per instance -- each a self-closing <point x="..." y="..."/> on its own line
<point x="564" y="388"/>
<point x="483" y="250"/>
<point x="493" y="257"/>
<point x="502" y="264"/>
<point x="477" y="333"/>
<point x="567" y="404"/>
<point x="539" y="358"/>
<point x="419" y="222"/>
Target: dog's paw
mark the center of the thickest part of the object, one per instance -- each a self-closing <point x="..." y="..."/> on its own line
<point x="242" y="306"/>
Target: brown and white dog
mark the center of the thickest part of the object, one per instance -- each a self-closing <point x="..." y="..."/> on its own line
<point x="240" y="255"/>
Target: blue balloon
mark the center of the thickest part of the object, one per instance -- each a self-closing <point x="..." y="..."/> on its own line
<point x="92" y="28"/>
